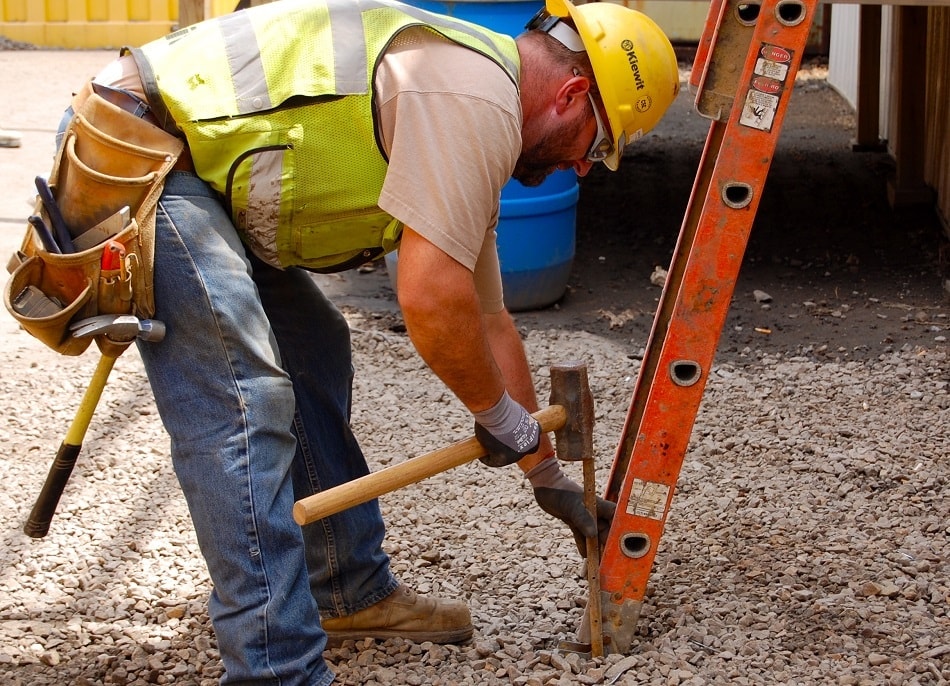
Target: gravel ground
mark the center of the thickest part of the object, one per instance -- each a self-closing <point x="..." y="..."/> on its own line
<point x="807" y="543"/>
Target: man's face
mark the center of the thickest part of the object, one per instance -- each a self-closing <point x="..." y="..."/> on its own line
<point x="563" y="148"/>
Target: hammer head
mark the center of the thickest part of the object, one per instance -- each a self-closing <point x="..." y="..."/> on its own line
<point x="571" y="390"/>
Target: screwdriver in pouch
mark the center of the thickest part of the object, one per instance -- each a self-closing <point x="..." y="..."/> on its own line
<point x="46" y="236"/>
<point x="63" y="237"/>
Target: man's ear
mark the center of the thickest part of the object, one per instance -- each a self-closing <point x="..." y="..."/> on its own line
<point x="572" y="94"/>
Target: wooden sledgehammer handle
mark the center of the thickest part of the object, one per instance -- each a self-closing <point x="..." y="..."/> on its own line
<point x="339" y="498"/>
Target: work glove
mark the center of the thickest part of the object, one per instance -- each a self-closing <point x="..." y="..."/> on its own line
<point x="507" y="432"/>
<point x="564" y="499"/>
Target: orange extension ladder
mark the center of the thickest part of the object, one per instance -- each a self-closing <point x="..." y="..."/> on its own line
<point x="743" y="76"/>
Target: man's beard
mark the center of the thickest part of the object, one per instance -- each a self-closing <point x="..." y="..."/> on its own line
<point x="542" y="159"/>
<point x="530" y="174"/>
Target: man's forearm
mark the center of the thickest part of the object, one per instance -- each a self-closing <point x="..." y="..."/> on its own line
<point x="509" y="353"/>
<point x="444" y="322"/>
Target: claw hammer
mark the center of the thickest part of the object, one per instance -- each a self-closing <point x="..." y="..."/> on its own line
<point x="125" y="328"/>
<point x="338" y="498"/>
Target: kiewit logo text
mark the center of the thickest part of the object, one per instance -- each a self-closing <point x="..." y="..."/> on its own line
<point x="627" y="47"/>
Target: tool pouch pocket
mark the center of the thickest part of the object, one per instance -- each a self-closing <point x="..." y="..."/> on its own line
<point x="46" y="292"/>
<point x="109" y="159"/>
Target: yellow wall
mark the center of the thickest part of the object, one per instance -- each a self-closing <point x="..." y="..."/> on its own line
<point x="681" y="21"/>
<point x="92" y="23"/>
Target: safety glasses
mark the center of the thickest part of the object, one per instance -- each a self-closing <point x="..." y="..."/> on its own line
<point x="542" y="20"/>
<point x="603" y="144"/>
<point x="557" y="29"/>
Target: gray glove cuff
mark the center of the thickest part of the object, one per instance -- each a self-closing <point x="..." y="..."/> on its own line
<point x="510" y="423"/>
<point x="548" y="474"/>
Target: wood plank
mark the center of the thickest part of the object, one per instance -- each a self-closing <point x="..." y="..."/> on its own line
<point x="192" y="11"/>
<point x="868" y="108"/>
<point x="937" y="166"/>
<point x="910" y="77"/>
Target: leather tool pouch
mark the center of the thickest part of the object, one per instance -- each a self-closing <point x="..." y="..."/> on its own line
<point x="109" y="159"/>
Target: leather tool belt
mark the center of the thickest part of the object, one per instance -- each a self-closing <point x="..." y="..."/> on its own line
<point x="89" y="249"/>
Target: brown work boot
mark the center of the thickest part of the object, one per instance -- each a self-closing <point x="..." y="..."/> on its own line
<point x="404" y="614"/>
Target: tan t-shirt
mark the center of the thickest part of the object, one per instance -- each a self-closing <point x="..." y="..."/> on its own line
<point x="450" y="122"/>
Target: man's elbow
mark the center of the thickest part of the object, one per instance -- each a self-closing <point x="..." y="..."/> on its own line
<point x="498" y="322"/>
<point x="417" y="298"/>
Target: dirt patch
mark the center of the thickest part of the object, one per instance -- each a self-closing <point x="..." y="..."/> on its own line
<point x="846" y="275"/>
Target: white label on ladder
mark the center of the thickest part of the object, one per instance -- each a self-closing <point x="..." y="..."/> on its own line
<point x="767" y="84"/>
<point x="758" y="112"/>
<point x="648" y="499"/>
<point x="774" y="70"/>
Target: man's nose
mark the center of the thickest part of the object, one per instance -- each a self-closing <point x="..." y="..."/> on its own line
<point x="581" y="167"/>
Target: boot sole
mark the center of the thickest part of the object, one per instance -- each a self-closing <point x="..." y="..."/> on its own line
<point x="336" y="638"/>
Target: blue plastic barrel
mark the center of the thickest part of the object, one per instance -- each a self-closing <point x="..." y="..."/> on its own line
<point x="536" y="226"/>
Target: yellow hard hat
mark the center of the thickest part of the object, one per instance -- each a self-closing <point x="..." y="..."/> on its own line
<point x="634" y="65"/>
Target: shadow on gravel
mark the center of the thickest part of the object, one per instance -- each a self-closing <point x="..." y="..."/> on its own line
<point x="848" y="276"/>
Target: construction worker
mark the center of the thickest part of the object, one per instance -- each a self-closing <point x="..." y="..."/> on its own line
<point x="322" y="134"/>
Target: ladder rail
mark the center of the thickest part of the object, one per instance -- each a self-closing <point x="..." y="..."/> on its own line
<point x="746" y="106"/>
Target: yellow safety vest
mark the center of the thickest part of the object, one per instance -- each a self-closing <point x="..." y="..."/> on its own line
<point x="276" y="103"/>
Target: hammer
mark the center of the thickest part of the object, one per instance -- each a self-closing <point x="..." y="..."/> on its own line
<point x="553" y="418"/>
<point x="575" y="442"/>
<point x="329" y="502"/>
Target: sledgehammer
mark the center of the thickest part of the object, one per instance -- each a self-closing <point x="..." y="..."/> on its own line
<point x="575" y="442"/>
<point x="566" y="418"/>
<point x="413" y="470"/>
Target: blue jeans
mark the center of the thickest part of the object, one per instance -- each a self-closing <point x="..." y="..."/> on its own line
<point x="253" y="383"/>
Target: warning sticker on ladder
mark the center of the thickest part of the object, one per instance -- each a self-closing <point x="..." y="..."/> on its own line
<point x="766" y="86"/>
<point x="648" y="499"/>
<point x="758" y="111"/>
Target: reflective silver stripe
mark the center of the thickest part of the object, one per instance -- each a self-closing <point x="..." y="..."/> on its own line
<point x="349" y="46"/>
<point x="247" y="71"/>
<point x="263" y="199"/>
<point x="349" y="52"/>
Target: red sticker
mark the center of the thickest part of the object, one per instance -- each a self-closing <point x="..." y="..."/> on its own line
<point x="776" y="54"/>
<point x="761" y="83"/>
